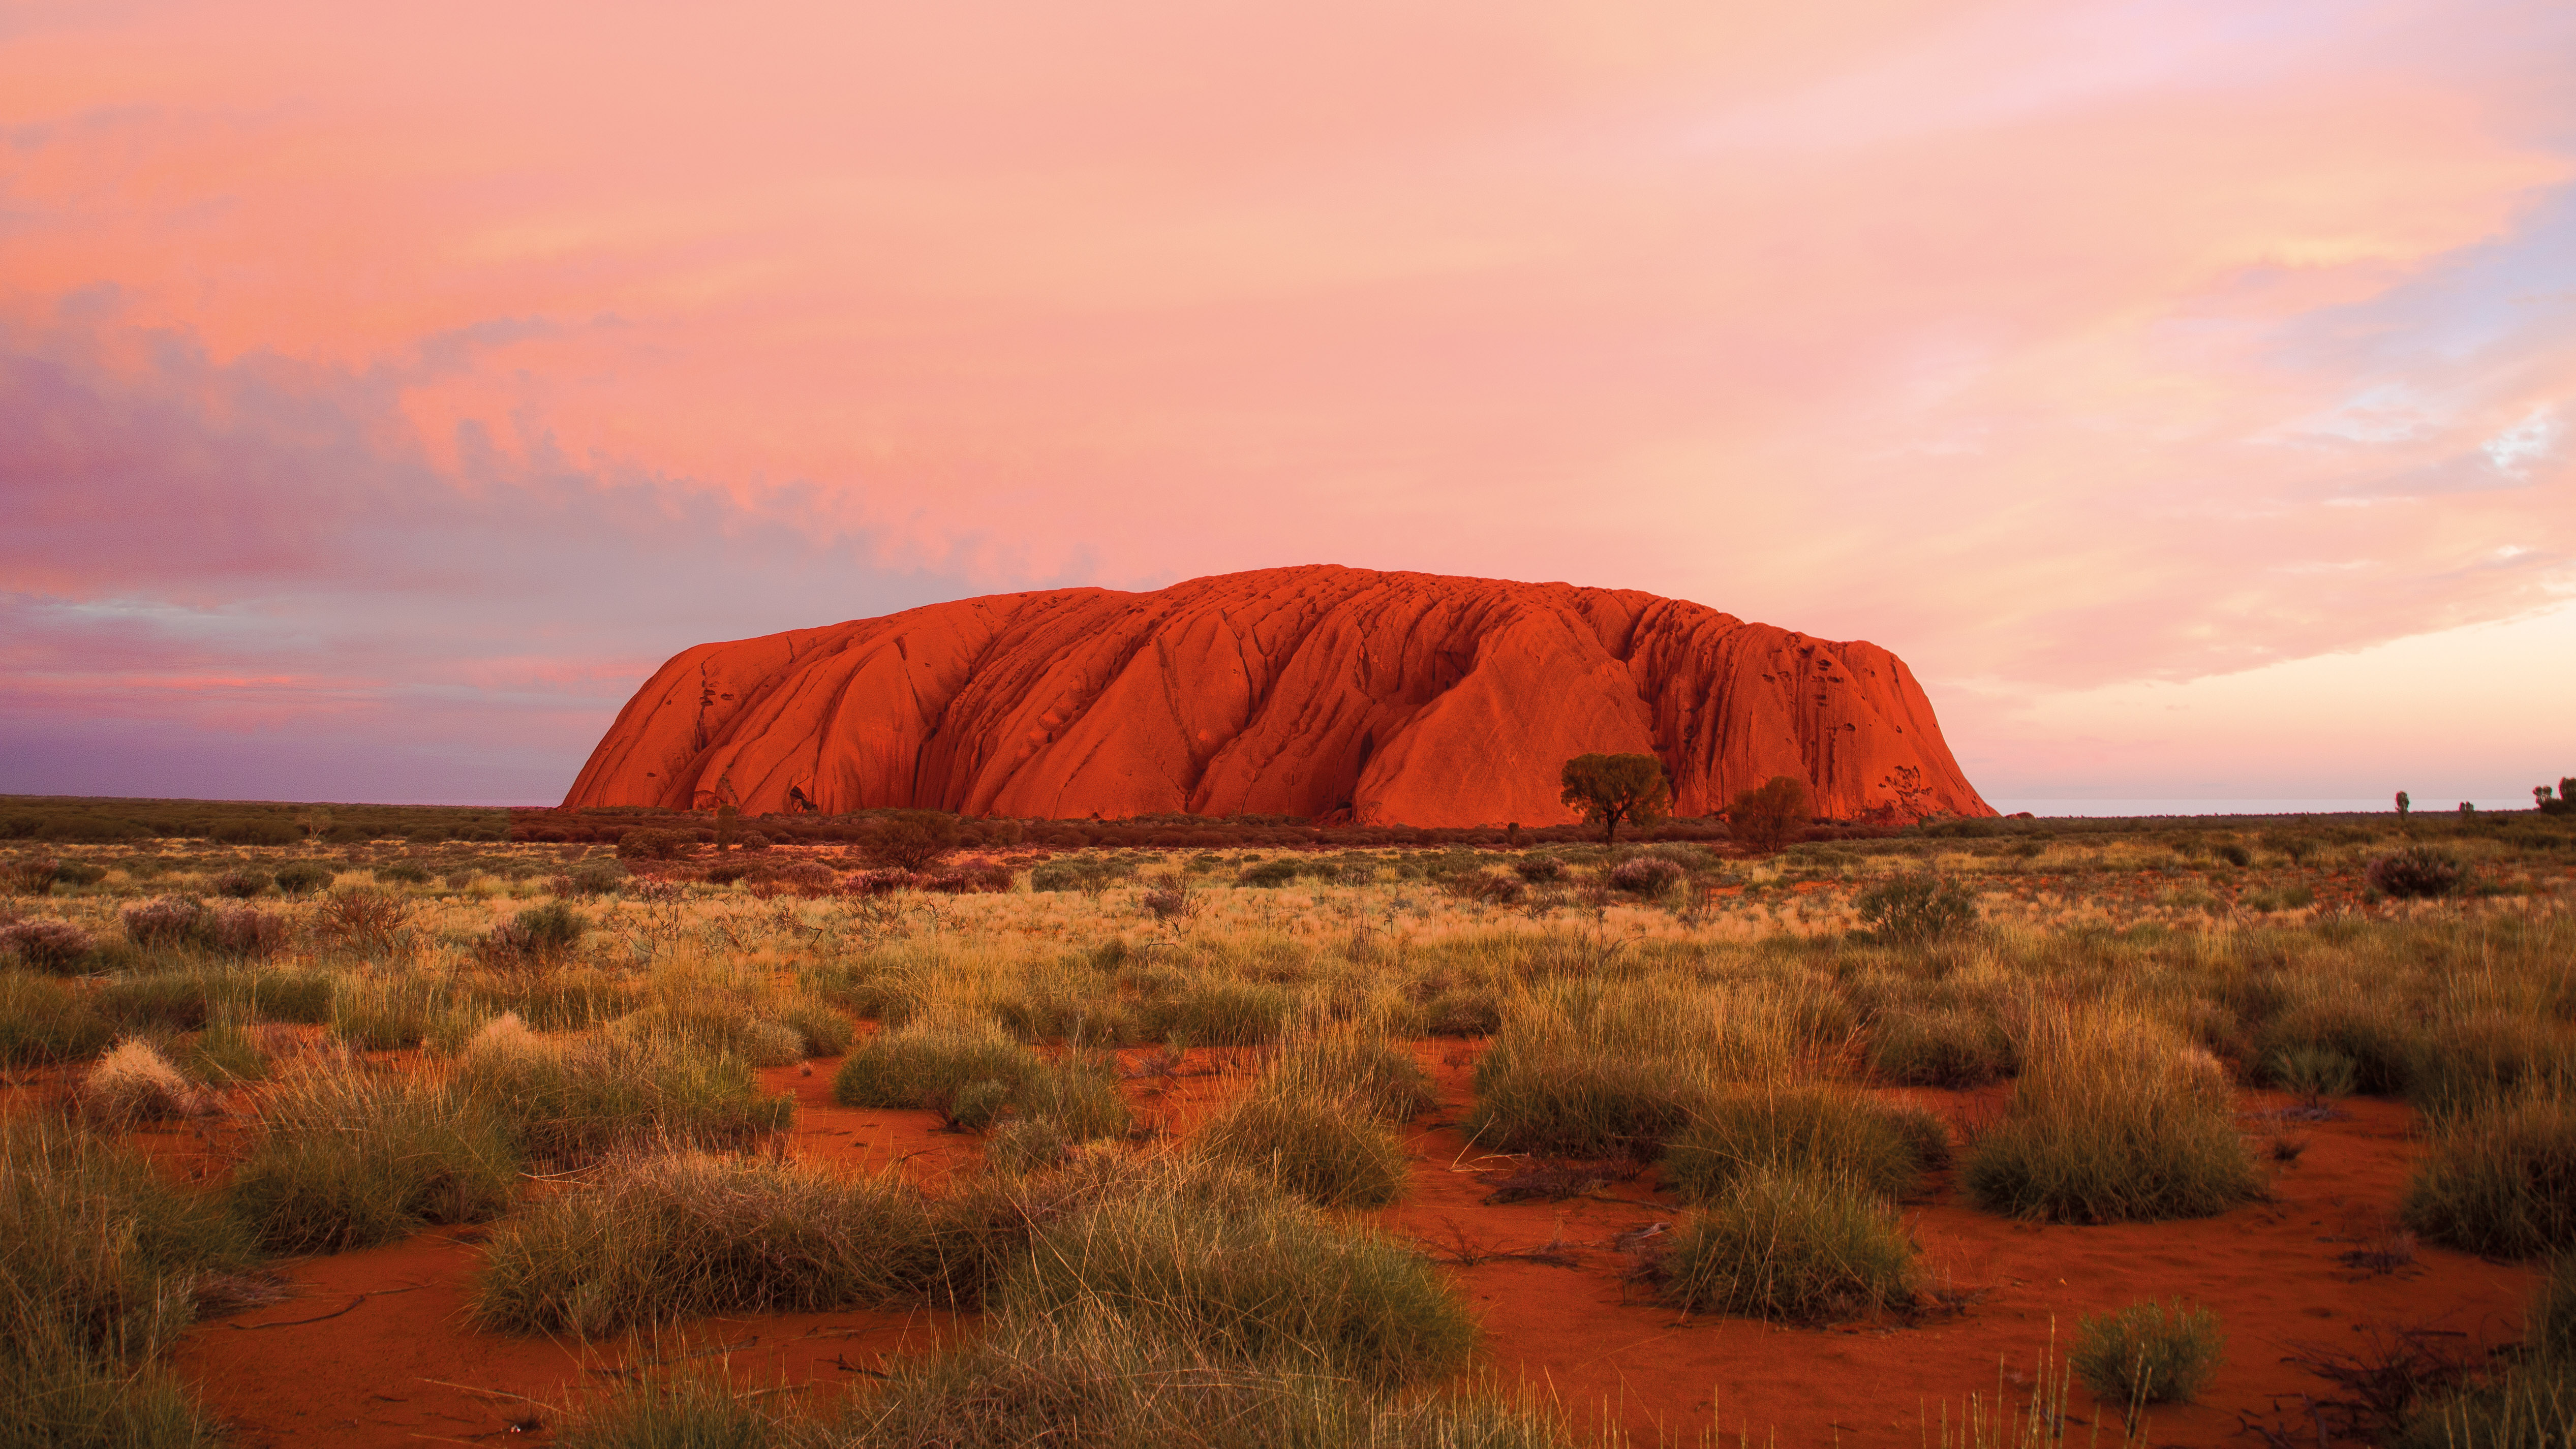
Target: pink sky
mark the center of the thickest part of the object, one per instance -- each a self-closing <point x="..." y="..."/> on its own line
<point x="2183" y="389"/>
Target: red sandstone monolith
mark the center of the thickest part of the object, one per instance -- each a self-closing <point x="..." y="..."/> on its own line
<point x="1323" y="692"/>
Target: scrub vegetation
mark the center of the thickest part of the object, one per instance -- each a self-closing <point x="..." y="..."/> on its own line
<point x="393" y="1022"/>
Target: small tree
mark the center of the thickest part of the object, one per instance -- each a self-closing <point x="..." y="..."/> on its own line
<point x="2403" y="804"/>
<point x="1769" y="815"/>
<point x="1612" y="788"/>
<point x="728" y="823"/>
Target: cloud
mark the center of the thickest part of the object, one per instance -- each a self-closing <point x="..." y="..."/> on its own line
<point x="455" y="365"/>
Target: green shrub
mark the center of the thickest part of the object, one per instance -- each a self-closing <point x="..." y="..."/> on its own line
<point x="303" y="878"/>
<point x="2417" y="872"/>
<point x="1954" y="1047"/>
<point x="43" y="1021"/>
<point x="1816" y="1131"/>
<point x="1245" y="1276"/>
<point x="2500" y="1179"/>
<point x="544" y="931"/>
<point x="1913" y="909"/>
<point x="682" y="1235"/>
<point x="345" y="1158"/>
<point x="1792" y="1246"/>
<point x="241" y="885"/>
<point x="2147" y="1353"/>
<point x="1328" y="1150"/>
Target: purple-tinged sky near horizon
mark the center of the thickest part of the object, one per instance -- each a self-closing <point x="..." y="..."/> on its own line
<point x="2183" y="390"/>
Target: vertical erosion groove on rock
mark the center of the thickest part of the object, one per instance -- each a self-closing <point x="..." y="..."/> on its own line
<point x="1322" y="692"/>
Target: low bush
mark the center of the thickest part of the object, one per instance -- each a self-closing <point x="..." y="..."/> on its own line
<point x="1646" y="875"/>
<point x="2147" y="1353"/>
<point x="30" y="877"/>
<point x="174" y="1000"/>
<point x="1911" y="910"/>
<point x="347" y="1158"/>
<point x="2417" y="872"/>
<point x="1327" y="1149"/>
<point x="2112" y="1120"/>
<point x="1950" y="1047"/>
<point x="545" y="932"/>
<point x="303" y="878"/>
<point x="58" y="947"/>
<point x="910" y="840"/>
<point x="1539" y="869"/>
<point x="242" y="932"/>
<point x="1027" y="1144"/>
<point x="601" y="877"/>
<point x="241" y="885"/>
<point x="44" y="1021"/>
<point x="1245" y="1276"/>
<point x="1078" y="1096"/>
<point x="1792" y="1246"/>
<point x="362" y="919"/>
<point x="164" y="921"/>
<point x="680" y="1235"/>
<point x="1816" y="1131"/>
<point x="2500" y="1179"/>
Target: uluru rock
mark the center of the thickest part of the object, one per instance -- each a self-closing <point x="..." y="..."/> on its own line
<point x="1321" y="692"/>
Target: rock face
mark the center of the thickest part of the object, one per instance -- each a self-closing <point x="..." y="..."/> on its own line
<point x="1322" y="692"/>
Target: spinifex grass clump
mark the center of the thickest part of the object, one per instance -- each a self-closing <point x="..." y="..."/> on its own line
<point x="1820" y="1131"/>
<point x="346" y="1157"/>
<point x="43" y="1020"/>
<point x="911" y="1067"/>
<point x="2501" y="1178"/>
<point x="2148" y="1353"/>
<point x="1324" y="1148"/>
<point x="1377" y="1075"/>
<point x="570" y="1101"/>
<point x="1595" y="1069"/>
<point x="1792" y="1245"/>
<point x="102" y="1263"/>
<point x="1096" y="1378"/>
<point x="135" y="1083"/>
<point x="2114" y="1119"/>
<point x="1947" y="1047"/>
<point x="1242" y="1274"/>
<point x="680" y="1235"/>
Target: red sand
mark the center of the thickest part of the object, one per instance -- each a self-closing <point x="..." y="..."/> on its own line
<point x="399" y="1366"/>
<point x="1319" y="692"/>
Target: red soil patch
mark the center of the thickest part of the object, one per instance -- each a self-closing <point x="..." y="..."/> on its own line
<point x="399" y="1365"/>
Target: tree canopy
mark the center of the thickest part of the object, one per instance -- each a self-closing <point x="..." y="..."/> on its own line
<point x="1612" y="788"/>
<point x="1770" y="814"/>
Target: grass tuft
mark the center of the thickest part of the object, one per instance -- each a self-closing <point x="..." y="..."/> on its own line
<point x="2148" y="1353"/>
<point x="2114" y="1119"/>
<point x="2500" y="1179"/>
<point x="348" y="1158"/>
<point x="1792" y="1246"/>
<point x="1814" y="1130"/>
<point x="680" y="1235"/>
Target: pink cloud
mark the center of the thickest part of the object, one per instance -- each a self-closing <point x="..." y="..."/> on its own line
<point x="2053" y="346"/>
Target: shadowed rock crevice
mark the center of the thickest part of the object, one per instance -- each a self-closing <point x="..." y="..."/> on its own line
<point x="1404" y="698"/>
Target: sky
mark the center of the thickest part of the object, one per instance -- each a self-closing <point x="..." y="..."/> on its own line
<point x="2184" y="389"/>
